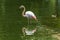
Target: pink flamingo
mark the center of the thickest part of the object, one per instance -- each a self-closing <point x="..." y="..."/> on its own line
<point x="28" y="14"/>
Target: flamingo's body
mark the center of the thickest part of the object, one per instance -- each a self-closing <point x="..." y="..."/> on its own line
<point x="30" y="14"/>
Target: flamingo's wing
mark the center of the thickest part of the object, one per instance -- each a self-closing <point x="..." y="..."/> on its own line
<point x="29" y="14"/>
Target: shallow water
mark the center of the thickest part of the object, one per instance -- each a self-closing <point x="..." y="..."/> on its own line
<point x="12" y="22"/>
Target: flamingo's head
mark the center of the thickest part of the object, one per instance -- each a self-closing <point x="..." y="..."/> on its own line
<point x="22" y="6"/>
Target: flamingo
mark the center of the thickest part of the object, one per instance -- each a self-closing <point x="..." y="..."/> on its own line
<point x="28" y="14"/>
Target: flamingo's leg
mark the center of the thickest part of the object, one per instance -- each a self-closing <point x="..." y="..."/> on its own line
<point x="28" y="21"/>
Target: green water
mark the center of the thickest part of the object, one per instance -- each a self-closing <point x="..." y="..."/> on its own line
<point x="11" y="20"/>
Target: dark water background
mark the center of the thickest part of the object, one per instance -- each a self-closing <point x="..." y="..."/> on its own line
<point x="11" y="20"/>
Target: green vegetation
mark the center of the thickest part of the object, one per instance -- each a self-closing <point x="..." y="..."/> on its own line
<point x="11" y="20"/>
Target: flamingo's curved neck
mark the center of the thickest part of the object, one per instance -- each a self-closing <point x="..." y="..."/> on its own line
<point x="23" y="13"/>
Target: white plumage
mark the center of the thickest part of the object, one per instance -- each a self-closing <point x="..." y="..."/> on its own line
<point x="30" y="14"/>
